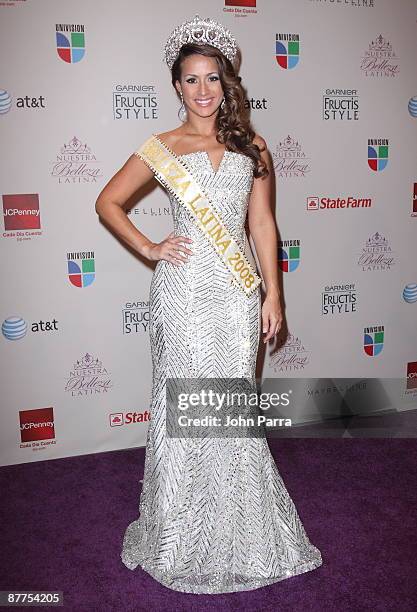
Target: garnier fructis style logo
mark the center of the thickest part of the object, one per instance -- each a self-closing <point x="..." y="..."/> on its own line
<point x="378" y="153"/>
<point x="340" y="104"/>
<point x="373" y="340"/>
<point x="135" y="316"/>
<point x="81" y="268"/>
<point x="289" y="255"/>
<point x="287" y="50"/>
<point x="70" y="42"/>
<point x="339" y="299"/>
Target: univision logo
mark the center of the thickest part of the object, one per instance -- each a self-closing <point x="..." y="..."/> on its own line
<point x="14" y="328"/>
<point x="289" y="255"/>
<point x="71" y="49"/>
<point x="287" y="50"/>
<point x="410" y="293"/>
<point x="377" y="153"/>
<point x="373" y="340"/>
<point x="81" y="268"/>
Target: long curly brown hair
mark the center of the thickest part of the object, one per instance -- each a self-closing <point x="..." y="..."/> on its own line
<point x="234" y="129"/>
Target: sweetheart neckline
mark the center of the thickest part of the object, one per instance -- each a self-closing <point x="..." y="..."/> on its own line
<point x="214" y="172"/>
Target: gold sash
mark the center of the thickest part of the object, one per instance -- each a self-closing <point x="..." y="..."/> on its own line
<point x="177" y="179"/>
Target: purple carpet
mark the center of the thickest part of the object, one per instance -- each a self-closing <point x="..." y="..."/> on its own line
<point x="63" y="523"/>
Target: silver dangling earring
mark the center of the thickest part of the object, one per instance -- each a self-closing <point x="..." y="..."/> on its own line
<point x="182" y="113"/>
<point x="222" y="105"/>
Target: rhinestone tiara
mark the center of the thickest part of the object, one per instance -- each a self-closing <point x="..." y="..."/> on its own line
<point x="203" y="31"/>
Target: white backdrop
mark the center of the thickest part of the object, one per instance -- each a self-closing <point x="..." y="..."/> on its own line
<point x="83" y="85"/>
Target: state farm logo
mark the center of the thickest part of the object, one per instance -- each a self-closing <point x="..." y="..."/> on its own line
<point x="328" y="203"/>
<point x="117" y="419"/>
<point x="37" y="424"/>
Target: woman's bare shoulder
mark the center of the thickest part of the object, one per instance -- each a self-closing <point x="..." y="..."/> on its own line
<point x="170" y="138"/>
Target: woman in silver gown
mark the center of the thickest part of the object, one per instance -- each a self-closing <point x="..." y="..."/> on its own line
<point x="214" y="513"/>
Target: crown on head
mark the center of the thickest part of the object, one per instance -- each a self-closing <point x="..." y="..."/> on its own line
<point x="200" y="31"/>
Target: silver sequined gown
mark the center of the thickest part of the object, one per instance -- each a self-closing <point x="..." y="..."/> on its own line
<point x="214" y="513"/>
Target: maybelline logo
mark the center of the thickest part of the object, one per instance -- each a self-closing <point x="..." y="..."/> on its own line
<point x="338" y="299"/>
<point x="380" y="60"/>
<point x="341" y="105"/>
<point x="135" y="317"/>
<point x="75" y="163"/>
<point x="146" y="210"/>
<point x="289" y="159"/>
<point x="329" y="203"/>
<point x="376" y="254"/>
<point x="21" y="215"/>
<point x="88" y="377"/>
<point x="291" y="357"/>
<point x="135" y="102"/>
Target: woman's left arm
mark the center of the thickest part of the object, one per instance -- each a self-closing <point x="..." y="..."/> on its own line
<point x="262" y="228"/>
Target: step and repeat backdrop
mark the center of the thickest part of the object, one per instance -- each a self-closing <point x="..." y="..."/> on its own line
<point x="332" y="87"/>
